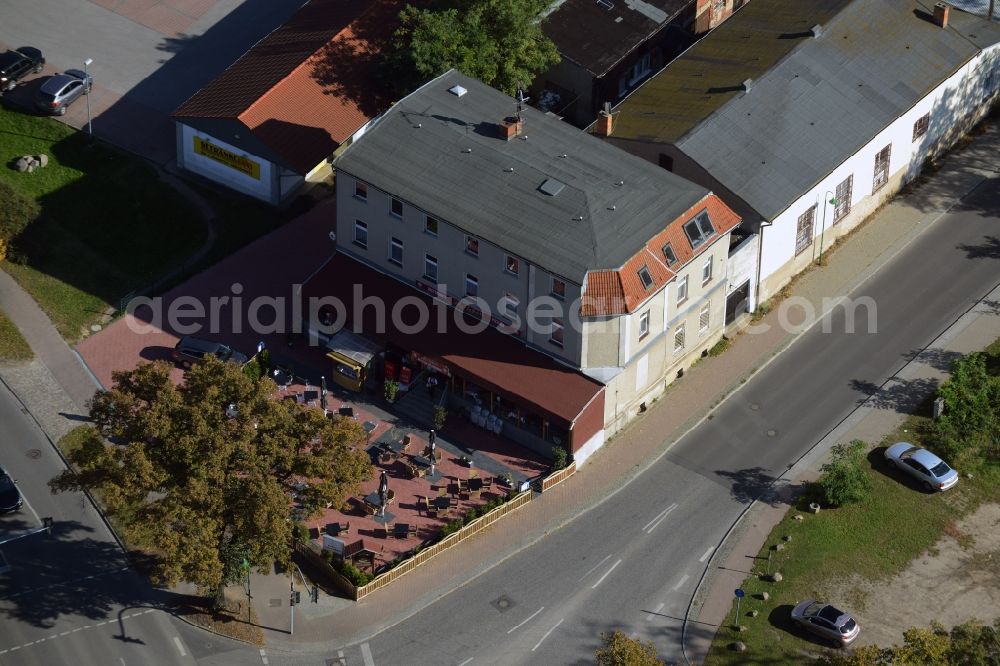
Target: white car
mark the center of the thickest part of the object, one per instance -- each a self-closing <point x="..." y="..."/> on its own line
<point x="932" y="472"/>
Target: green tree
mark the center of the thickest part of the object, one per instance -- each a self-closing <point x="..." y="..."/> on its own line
<point x="620" y="650"/>
<point x="202" y="490"/>
<point x="499" y="42"/>
<point x="845" y="478"/>
<point x="970" y="425"/>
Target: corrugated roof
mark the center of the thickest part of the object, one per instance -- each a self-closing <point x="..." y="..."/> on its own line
<point x="833" y="95"/>
<point x="442" y="154"/>
<point x="598" y="38"/>
<point x="307" y="86"/>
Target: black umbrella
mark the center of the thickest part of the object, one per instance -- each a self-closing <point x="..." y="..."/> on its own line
<point x="322" y="393"/>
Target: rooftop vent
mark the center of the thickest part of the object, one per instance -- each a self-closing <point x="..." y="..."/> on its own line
<point x="747" y="85"/>
<point x="816" y="30"/>
<point x="606" y="4"/>
<point x="457" y="90"/>
<point x="551" y="187"/>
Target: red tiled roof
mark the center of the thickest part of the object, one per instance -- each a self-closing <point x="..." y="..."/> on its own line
<point x="309" y="85"/>
<point x="491" y="359"/>
<point x="620" y="291"/>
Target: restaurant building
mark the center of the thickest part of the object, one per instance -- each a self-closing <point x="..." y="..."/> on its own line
<point x="594" y="276"/>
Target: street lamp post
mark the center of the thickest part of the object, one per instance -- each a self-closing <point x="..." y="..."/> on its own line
<point x="822" y="230"/>
<point x="86" y="72"/>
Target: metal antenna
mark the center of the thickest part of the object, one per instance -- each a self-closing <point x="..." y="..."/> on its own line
<point x="521" y="100"/>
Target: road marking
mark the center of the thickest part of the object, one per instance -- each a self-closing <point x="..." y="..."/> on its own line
<point x="513" y="629"/>
<point x="101" y="624"/>
<point x="652" y="525"/>
<point x="654" y="612"/>
<point x="180" y="646"/>
<point x="122" y="659"/>
<point x="549" y="632"/>
<point x="707" y="553"/>
<point x="366" y="654"/>
<point x="263" y="656"/>
<point x="65" y="633"/>
<point x="594" y="568"/>
<point x="601" y="579"/>
<point x="681" y="582"/>
<point x="466" y="661"/>
<point x="30" y="508"/>
<point x="83" y="628"/>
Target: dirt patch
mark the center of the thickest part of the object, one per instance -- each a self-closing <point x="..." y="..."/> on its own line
<point x="956" y="580"/>
<point x="232" y="620"/>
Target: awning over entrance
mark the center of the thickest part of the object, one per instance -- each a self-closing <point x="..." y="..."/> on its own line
<point x="489" y="358"/>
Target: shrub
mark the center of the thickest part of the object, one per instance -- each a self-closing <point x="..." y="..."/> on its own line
<point x="300" y="533"/>
<point x="558" y="458"/>
<point x="253" y="369"/>
<point x="970" y="425"/>
<point x="440" y="415"/>
<point x="352" y="573"/>
<point x="845" y="479"/>
<point x="620" y="650"/>
<point x="719" y="347"/>
<point x="391" y="389"/>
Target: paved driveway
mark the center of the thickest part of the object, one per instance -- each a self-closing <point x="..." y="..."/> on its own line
<point x="149" y="55"/>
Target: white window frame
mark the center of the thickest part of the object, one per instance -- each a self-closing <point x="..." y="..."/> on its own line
<point x="395" y="243"/>
<point x="698" y="223"/>
<point x="427" y="225"/>
<point x="471" y="285"/>
<point x="705" y="318"/>
<point x="706" y="271"/>
<point x="360" y="229"/>
<point x="679" y="340"/>
<point x="431" y="261"/>
<point x="510" y="259"/>
<point x="682" y="290"/>
<point x="557" y="332"/>
<point x="361" y="191"/>
<point x="643" y="324"/>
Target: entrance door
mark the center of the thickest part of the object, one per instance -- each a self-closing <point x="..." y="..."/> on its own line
<point x="736" y="302"/>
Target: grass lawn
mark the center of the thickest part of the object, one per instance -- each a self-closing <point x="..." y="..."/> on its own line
<point x="13" y="346"/>
<point x="873" y="540"/>
<point x="108" y="225"/>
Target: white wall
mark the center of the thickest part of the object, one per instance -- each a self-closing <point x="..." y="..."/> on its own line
<point x="741" y="266"/>
<point x="220" y="173"/>
<point x="957" y="98"/>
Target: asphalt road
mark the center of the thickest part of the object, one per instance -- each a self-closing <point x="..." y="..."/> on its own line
<point x="633" y="561"/>
<point x="68" y="597"/>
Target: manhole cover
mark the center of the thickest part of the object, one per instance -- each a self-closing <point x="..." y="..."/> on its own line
<point x="754" y="406"/>
<point x="772" y="432"/>
<point x="275" y="603"/>
<point x="503" y="604"/>
<point x="34" y="453"/>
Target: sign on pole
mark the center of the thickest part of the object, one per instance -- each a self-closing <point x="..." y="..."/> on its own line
<point x="739" y="595"/>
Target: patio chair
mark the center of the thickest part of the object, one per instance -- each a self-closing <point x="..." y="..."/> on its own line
<point x="432" y="511"/>
<point x="421" y="503"/>
<point x="412" y="531"/>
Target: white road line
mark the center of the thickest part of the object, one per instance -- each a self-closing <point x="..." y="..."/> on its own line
<point x="707" y="553"/>
<point x="594" y="568"/>
<point x="30" y="508"/>
<point x="654" y="612"/>
<point x="601" y="579"/>
<point x="681" y="582"/>
<point x="15" y="648"/>
<point x="65" y="582"/>
<point x="466" y="661"/>
<point x="101" y="624"/>
<point x="65" y="633"/>
<point x="366" y="654"/>
<point x="122" y="659"/>
<point x="180" y="646"/>
<point x="525" y="621"/>
<point x="151" y="610"/>
<point x="659" y="516"/>
<point x="263" y="656"/>
<point x="549" y="632"/>
<point x="661" y="519"/>
<point x="53" y="636"/>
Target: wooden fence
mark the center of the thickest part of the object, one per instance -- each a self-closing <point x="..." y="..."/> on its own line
<point x="554" y="479"/>
<point x="424" y="555"/>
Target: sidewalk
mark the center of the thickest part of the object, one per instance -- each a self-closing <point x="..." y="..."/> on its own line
<point x="334" y="623"/>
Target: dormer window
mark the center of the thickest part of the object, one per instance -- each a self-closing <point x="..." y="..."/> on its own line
<point x="647" y="279"/>
<point x="699" y="229"/>
<point x="668" y="254"/>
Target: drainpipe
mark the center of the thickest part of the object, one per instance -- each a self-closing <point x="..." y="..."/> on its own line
<point x="760" y="255"/>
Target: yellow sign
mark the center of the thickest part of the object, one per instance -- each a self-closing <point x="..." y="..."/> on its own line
<point x="243" y="164"/>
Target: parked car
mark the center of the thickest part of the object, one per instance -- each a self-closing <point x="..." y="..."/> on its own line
<point x="10" y="496"/>
<point x="827" y="621"/>
<point x="932" y="472"/>
<point x="192" y="350"/>
<point x="15" y="65"/>
<point x="61" y="90"/>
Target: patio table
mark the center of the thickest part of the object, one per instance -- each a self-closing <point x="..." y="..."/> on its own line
<point x="475" y="484"/>
<point x="373" y="499"/>
<point x="443" y="502"/>
<point x="401" y="530"/>
<point x="346" y="411"/>
<point x="396" y="447"/>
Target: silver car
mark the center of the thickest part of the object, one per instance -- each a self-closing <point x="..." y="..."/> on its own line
<point x="826" y="621"/>
<point x="61" y="90"/>
<point x="932" y="472"/>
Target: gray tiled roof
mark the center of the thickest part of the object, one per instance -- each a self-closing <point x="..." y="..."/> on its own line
<point x="442" y="153"/>
<point x="830" y="96"/>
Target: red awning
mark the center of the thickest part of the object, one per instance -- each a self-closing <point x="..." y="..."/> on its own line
<point x="491" y="359"/>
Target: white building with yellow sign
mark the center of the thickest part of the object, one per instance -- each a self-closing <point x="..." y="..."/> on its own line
<point x="277" y="116"/>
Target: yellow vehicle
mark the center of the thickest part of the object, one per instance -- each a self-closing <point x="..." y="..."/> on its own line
<point x="352" y="357"/>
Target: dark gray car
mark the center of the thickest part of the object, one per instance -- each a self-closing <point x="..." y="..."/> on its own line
<point x="61" y="90"/>
<point x="15" y="65"/>
<point x="10" y="496"/>
<point x="826" y="621"/>
<point x="191" y="350"/>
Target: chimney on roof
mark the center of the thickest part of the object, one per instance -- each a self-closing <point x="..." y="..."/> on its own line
<point x="510" y="127"/>
<point x="605" y="121"/>
<point x="941" y="11"/>
<point x="747" y="85"/>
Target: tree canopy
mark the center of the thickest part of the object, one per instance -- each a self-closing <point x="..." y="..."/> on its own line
<point x="970" y="425"/>
<point x="845" y="479"/>
<point x="620" y="650"/>
<point x="968" y="643"/>
<point x="200" y="474"/>
<point x="499" y="42"/>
